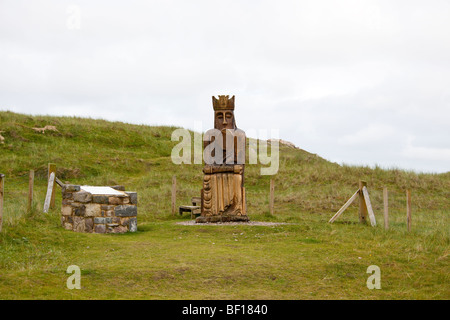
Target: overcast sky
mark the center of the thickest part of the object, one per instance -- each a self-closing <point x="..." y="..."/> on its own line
<point x="357" y="82"/>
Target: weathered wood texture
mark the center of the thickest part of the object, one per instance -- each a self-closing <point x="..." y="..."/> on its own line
<point x="193" y="210"/>
<point x="223" y="192"/>
<point x="174" y="194"/>
<point x="362" y="203"/>
<point x="244" y="201"/>
<point x="373" y="222"/>
<point x="196" y="201"/>
<point x="272" y="197"/>
<point x="30" y="190"/>
<point x="345" y="206"/>
<point x="48" y="197"/>
<point x="408" y="209"/>
<point x="52" y="168"/>
<point x="59" y="182"/>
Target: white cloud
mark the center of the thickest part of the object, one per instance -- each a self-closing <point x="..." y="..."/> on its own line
<point x="348" y="80"/>
<point x="368" y="135"/>
<point x="426" y="153"/>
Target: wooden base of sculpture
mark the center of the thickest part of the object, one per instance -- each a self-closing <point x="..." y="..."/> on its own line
<point x="223" y="194"/>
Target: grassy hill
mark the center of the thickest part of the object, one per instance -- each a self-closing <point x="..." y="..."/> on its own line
<point x="306" y="259"/>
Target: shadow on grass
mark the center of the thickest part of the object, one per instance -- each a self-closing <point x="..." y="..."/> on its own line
<point x="346" y="222"/>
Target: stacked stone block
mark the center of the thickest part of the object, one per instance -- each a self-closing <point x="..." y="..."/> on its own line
<point x="86" y="212"/>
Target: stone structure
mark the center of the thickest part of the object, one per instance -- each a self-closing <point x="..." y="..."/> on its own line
<point x="223" y="193"/>
<point x="98" y="209"/>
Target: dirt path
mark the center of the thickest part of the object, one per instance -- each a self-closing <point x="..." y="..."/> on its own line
<point x="250" y="223"/>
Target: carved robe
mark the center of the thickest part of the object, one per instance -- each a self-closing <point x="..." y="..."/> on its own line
<point x="223" y="193"/>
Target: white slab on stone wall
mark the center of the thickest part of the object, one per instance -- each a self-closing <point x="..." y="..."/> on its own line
<point x="107" y="191"/>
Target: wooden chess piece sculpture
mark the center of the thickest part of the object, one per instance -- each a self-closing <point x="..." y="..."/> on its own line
<point x="223" y="193"/>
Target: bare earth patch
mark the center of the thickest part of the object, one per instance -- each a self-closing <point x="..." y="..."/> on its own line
<point x="250" y="223"/>
<point x="42" y="130"/>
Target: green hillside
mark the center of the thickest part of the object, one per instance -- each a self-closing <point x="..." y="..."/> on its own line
<point x="306" y="259"/>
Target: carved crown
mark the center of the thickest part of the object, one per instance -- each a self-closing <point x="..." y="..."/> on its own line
<point x="223" y="103"/>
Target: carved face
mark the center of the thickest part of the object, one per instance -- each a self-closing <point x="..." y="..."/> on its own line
<point x="224" y="120"/>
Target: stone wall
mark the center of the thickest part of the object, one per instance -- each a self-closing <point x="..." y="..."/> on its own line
<point x="85" y="212"/>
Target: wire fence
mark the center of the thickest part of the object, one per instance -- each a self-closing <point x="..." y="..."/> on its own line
<point x="15" y="198"/>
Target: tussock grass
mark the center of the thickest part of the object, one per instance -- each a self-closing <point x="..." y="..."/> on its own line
<point x="306" y="259"/>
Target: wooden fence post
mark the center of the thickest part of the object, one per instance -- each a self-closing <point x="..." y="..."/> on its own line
<point x="52" y="168"/>
<point x="386" y="208"/>
<point x="272" y="196"/>
<point x="2" y="189"/>
<point x="30" y="190"/>
<point x="48" y="197"/>
<point x="174" y="194"/>
<point x="372" y="219"/>
<point x="408" y="209"/>
<point x="362" y="203"/>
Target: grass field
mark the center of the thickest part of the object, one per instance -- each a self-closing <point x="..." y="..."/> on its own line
<point x="304" y="259"/>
